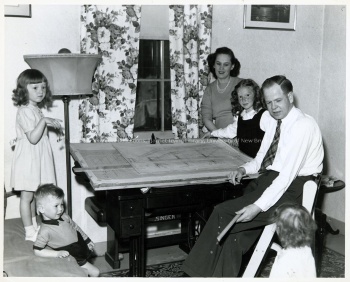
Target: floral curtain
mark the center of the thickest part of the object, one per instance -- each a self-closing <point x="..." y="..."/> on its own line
<point x="190" y="29"/>
<point x="112" y="31"/>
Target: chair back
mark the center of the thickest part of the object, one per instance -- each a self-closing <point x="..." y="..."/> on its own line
<point x="310" y="191"/>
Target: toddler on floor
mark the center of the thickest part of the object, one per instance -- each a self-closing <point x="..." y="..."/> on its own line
<point x="59" y="231"/>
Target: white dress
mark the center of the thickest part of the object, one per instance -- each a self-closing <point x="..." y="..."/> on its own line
<point x="294" y="263"/>
<point x="32" y="165"/>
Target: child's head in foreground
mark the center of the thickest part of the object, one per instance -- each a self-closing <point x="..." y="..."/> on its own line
<point x="49" y="201"/>
<point x="294" y="225"/>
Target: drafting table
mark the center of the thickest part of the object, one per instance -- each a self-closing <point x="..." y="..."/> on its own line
<point x="140" y="179"/>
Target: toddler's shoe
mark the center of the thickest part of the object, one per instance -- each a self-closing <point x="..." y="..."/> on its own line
<point x="32" y="237"/>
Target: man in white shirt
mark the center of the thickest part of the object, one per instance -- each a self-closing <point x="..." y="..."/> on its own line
<point x="299" y="155"/>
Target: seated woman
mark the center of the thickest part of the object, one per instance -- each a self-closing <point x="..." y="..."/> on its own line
<point x="248" y="118"/>
<point x="215" y="106"/>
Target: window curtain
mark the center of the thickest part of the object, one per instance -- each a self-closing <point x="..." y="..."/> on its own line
<point x="190" y="28"/>
<point x="112" y="31"/>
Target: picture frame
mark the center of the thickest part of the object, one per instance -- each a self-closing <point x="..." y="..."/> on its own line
<point x="22" y="11"/>
<point x="281" y="17"/>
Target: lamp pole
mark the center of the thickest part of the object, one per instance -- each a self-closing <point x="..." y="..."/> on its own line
<point x="66" y="100"/>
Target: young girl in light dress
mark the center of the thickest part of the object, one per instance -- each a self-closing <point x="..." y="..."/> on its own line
<point x="295" y="229"/>
<point x="32" y="163"/>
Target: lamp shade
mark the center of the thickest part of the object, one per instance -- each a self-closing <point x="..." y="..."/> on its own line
<point x="67" y="74"/>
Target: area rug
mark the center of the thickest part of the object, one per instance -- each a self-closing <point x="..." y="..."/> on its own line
<point x="332" y="266"/>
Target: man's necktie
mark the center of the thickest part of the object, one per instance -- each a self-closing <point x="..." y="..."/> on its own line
<point x="271" y="153"/>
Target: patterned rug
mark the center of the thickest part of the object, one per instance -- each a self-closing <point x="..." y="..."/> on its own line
<point x="332" y="266"/>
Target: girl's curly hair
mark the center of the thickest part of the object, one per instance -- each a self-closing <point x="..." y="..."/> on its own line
<point x="294" y="225"/>
<point x="20" y="94"/>
<point x="236" y="107"/>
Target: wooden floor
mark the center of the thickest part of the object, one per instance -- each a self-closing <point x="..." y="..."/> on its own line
<point x="174" y="253"/>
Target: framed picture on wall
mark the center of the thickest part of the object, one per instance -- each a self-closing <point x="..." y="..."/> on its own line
<point x="23" y="11"/>
<point x="270" y="16"/>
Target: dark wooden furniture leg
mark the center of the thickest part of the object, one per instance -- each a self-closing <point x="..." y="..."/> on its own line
<point x="322" y="224"/>
<point x="137" y="257"/>
<point x="112" y="254"/>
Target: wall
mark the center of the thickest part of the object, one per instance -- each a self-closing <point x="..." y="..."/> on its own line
<point x="332" y="104"/>
<point x="313" y="62"/>
<point x="264" y="53"/>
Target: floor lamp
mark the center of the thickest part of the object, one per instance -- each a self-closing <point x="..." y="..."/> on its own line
<point x="69" y="75"/>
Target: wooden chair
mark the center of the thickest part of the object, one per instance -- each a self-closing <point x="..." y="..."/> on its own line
<point x="310" y="192"/>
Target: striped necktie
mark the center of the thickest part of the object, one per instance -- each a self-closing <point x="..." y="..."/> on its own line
<point x="271" y="152"/>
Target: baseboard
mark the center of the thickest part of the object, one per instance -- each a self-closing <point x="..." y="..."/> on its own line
<point x="336" y="224"/>
<point x="100" y="248"/>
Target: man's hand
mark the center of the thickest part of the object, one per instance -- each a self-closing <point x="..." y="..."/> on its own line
<point x="236" y="175"/>
<point x="248" y="213"/>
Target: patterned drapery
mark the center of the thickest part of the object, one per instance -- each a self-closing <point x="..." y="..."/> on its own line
<point x="112" y="31"/>
<point x="190" y="29"/>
